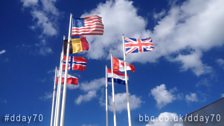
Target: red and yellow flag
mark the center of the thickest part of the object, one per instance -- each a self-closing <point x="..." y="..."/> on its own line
<point x="77" y="45"/>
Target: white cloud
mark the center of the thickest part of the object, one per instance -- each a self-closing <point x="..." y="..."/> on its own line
<point x="95" y="84"/>
<point x="49" y="7"/>
<point x="159" y="15"/>
<point x="119" y="16"/>
<point x="121" y="102"/>
<point x="47" y="96"/>
<point x="90" y="90"/>
<point x="222" y="95"/>
<point x="28" y="3"/>
<point x="220" y="62"/>
<point x="205" y="82"/>
<point x="2" y="51"/>
<point x="43" y="22"/>
<point x="86" y="97"/>
<point x="193" y="61"/>
<point x="42" y="48"/>
<point x="45" y="51"/>
<point x="45" y="18"/>
<point x="162" y="95"/>
<point x="166" y="119"/>
<point x="72" y="87"/>
<point x="192" y="97"/>
<point x="45" y="15"/>
<point x="185" y="26"/>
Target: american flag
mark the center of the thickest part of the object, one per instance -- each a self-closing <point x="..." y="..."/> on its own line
<point x="90" y="25"/>
<point x="133" y="45"/>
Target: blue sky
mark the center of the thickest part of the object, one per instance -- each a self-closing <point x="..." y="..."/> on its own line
<point x="184" y="73"/>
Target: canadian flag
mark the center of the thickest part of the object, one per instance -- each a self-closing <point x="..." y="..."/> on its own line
<point x="118" y="65"/>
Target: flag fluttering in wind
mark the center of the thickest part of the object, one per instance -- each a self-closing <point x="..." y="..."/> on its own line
<point x="133" y="45"/>
<point x="90" y="25"/>
<point x="118" y="77"/>
<point x="75" y="63"/>
<point x="70" y="80"/>
<point x="118" y="65"/>
<point x="78" y="44"/>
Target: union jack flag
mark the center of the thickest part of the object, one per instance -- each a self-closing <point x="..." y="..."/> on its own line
<point x="133" y="45"/>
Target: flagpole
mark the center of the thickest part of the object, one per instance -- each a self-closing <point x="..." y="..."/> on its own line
<point x="126" y="84"/>
<point x="106" y="90"/>
<point x="65" y="75"/>
<point x="113" y="97"/>
<point x="53" y="98"/>
<point x="58" y="97"/>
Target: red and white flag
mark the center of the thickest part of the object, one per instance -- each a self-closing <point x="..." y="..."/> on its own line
<point x="117" y="76"/>
<point x="90" y="25"/>
<point x="70" y="79"/>
<point x="75" y="63"/>
<point x="118" y="65"/>
<point x="139" y="45"/>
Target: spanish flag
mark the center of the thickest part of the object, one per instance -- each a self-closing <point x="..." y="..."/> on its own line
<point x="77" y="45"/>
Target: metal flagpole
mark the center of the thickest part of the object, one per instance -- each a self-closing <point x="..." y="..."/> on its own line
<point x="53" y="98"/>
<point x="65" y="75"/>
<point x="58" y="97"/>
<point x="106" y="90"/>
<point x="126" y="84"/>
<point x="113" y="97"/>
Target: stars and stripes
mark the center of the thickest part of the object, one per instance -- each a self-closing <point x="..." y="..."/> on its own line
<point x="90" y="25"/>
<point x="133" y="45"/>
<point x="76" y="43"/>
